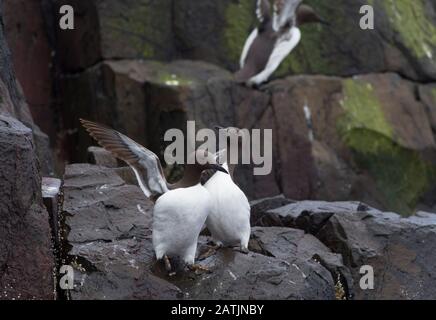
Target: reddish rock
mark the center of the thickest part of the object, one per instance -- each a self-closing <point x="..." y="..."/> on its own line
<point x="25" y="239"/>
<point x="12" y="99"/>
<point x="427" y="94"/>
<point x="32" y="58"/>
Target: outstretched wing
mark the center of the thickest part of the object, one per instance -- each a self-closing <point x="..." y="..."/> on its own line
<point x="285" y="13"/>
<point x="144" y="163"/>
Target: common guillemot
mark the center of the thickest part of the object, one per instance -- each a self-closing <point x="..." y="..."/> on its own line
<point x="180" y="209"/>
<point x="274" y="39"/>
<point x="229" y="222"/>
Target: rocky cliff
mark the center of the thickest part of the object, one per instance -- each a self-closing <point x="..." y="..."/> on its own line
<point x="299" y="250"/>
<point x="26" y="257"/>
<point x="353" y="114"/>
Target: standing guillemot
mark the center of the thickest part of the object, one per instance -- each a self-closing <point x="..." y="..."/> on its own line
<point x="180" y="209"/>
<point x="277" y="35"/>
<point x="229" y="222"/>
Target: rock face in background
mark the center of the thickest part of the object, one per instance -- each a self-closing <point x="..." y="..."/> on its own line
<point x="403" y="40"/>
<point x="12" y="99"/>
<point x="32" y="58"/>
<point x="216" y="31"/>
<point x="372" y="138"/>
<point x="343" y="49"/>
<point x="350" y="138"/>
<point x="111" y="29"/>
<point x="26" y="258"/>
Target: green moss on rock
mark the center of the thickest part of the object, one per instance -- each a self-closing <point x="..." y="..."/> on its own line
<point x="363" y="109"/>
<point x="409" y="19"/>
<point x="308" y="54"/>
<point x="312" y="53"/>
<point x="240" y="19"/>
<point x="401" y="175"/>
<point x="138" y="27"/>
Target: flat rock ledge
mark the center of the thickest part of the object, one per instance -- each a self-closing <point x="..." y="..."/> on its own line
<point x="298" y="250"/>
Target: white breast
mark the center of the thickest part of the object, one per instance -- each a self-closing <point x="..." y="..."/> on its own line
<point x="247" y="47"/>
<point x="178" y="217"/>
<point x="229" y="222"/>
<point x="284" y="46"/>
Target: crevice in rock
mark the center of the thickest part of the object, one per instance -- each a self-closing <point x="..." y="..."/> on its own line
<point x="343" y="283"/>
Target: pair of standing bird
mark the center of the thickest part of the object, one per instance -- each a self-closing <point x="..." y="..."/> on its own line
<point x="182" y="209"/>
<point x="273" y="40"/>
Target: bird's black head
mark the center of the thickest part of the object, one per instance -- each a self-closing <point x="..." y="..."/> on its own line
<point x="306" y="14"/>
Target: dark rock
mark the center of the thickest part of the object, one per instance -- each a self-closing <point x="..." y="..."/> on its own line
<point x="116" y="210"/>
<point x="335" y="178"/>
<point x="306" y="215"/>
<point x="117" y="270"/>
<point x="427" y="94"/>
<point x="25" y="238"/>
<point x="399" y="250"/>
<point x="109" y="245"/>
<point x="52" y="197"/>
<point x="108" y="237"/>
<point x="255" y="276"/>
<point x="101" y="157"/>
<point x="12" y="100"/>
<point x="259" y="208"/>
<point x="31" y="54"/>
<point x="283" y="264"/>
<point x="110" y="248"/>
<point x="115" y="30"/>
<point x="144" y="99"/>
<point x="215" y="31"/>
<point x="346" y="49"/>
<point x="288" y="244"/>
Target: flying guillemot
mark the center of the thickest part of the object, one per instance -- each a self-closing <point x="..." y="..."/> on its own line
<point x="274" y="39"/>
<point x="229" y="222"/>
<point x="180" y="209"/>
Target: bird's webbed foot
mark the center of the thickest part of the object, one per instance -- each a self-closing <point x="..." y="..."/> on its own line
<point x="209" y="252"/>
<point x="168" y="266"/>
<point x="242" y="249"/>
<point x="198" y="268"/>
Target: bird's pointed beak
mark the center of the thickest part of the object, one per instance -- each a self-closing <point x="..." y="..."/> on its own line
<point x="216" y="167"/>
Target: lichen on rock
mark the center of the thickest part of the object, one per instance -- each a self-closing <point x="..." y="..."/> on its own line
<point x="363" y="109"/>
<point x="402" y="175"/>
<point x="239" y="19"/>
<point x="409" y="19"/>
